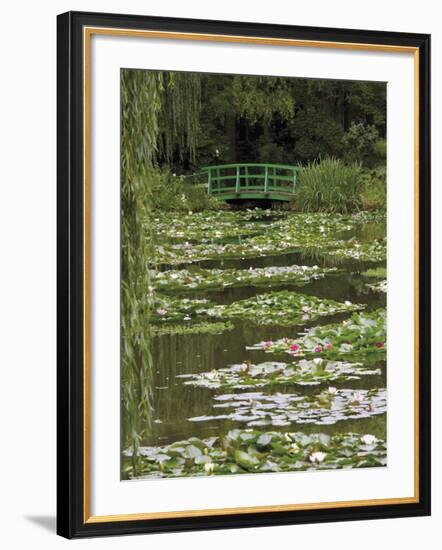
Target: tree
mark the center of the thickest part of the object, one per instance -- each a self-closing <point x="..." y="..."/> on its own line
<point x="145" y="132"/>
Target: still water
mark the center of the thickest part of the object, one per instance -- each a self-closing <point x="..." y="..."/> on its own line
<point x="174" y="355"/>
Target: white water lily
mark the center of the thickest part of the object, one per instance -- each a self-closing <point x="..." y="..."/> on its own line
<point x="348" y="303"/>
<point x="318" y="361"/>
<point x="332" y="390"/>
<point x="294" y="448"/>
<point x="369" y="439"/>
<point x="317" y="457"/>
<point x="209" y="468"/>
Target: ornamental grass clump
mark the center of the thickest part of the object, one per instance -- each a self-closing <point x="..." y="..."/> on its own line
<point x="329" y="185"/>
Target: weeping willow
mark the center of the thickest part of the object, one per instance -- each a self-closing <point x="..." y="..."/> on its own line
<point x="145" y="98"/>
<point x="260" y="98"/>
<point x="179" y="120"/>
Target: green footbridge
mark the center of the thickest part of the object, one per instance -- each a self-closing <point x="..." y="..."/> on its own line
<point x="276" y="182"/>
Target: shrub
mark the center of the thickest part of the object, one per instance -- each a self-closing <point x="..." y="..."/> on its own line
<point x="359" y="142"/>
<point x="175" y="193"/>
<point x="374" y="192"/>
<point x="329" y="185"/>
<point x="380" y="150"/>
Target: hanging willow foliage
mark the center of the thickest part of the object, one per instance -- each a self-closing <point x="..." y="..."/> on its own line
<point x="262" y="97"/>
<point x="145" y="97"/>
<point x="179" y="119"/>
<point x="140" y="104"/>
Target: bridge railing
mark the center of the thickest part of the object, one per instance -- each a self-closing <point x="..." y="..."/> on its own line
<point x="268" y="179"/>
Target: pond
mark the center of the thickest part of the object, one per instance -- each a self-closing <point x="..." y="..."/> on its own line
<point x="269" y="324"/>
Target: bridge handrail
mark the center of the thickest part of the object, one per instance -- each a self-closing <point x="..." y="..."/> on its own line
<point x="249" y="164"/>
<point x="247" y="178"/>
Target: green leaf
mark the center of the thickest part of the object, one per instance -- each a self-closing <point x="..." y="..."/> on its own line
<point x="203" y="459"/>
<point x="245" y="460"/>
<point x="192" y="451"/>
<point x="264" y="439"/>
<point x="197" y="443"/>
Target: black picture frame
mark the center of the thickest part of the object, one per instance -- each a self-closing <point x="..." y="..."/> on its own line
<point x="71" y="519"/>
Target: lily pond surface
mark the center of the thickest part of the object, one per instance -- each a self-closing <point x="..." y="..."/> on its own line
<point x="269" y="346"/>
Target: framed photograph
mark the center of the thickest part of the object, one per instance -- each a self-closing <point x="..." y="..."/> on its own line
<point x="243" y="274"/>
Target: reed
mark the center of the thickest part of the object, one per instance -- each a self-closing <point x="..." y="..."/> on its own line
<point x="329" y="185"/>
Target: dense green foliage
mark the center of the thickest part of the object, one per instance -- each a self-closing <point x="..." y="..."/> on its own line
<point x="286" y="120"/>
<point x="188" y="120"/>
<point x="171" y="193"/>
<point x="329" y="186"/>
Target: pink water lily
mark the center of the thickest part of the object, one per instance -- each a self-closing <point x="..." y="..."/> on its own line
<point x="162" y="311"/>
<point x="267" y="344"/>
<point x="318" y="349"/>
<point x="294" y="347"/>
<point x="328" y="345"/>
<point x="358" y="397"/>
<point x="379" y="345"/>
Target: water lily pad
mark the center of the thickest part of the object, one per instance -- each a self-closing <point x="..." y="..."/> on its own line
<point x="352" y="249"/>
<point x="216" y="279"/>
<point x="380" y="286"/>
<point x="275" y="308"/>
<point x="283" y="409"/>
<point x="205" y="226"/>
<point x="361" y="336"/>
<point x="293" y="232"/>
<point x="271" y="451"/>
<point x="194" y="328"/>
<point x="169" y="309"/>
<point x="271" y="373"/>
<point x="282" y="308"/>
<point x="375" y="273"/>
